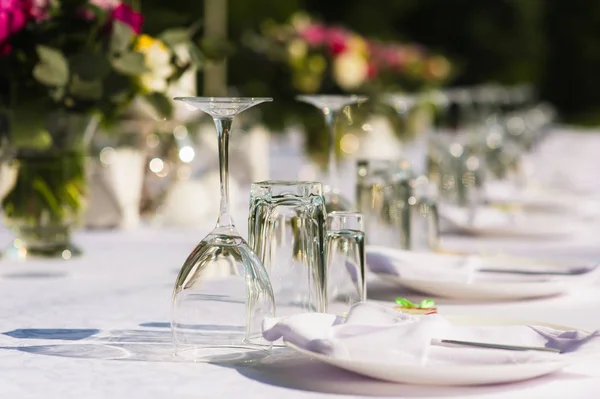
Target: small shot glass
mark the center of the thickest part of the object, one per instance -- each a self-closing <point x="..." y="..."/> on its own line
<point x="345" y="251"/>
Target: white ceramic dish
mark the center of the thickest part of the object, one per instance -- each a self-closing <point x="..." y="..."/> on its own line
<point x="459" y="374"/>
<point x="477" y="285"/>
<point x="494" y="222"/>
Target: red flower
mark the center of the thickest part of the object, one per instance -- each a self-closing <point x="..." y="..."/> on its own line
<point x="336" y="40"/>
<point x="372" y="71"/>
<point x="128" y="16"/>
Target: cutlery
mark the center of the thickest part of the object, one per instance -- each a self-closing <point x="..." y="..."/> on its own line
<point x="568" y="272"/>
<point x="496" y="346"/>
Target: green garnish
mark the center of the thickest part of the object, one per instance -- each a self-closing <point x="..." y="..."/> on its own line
<point x="424" y="304"/>
<point x="427" y="303"/>
<point x="405" y="303"/>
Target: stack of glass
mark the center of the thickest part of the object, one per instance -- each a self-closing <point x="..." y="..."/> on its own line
<point x="399" y="209"/>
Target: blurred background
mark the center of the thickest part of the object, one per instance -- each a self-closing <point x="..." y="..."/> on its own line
<point x="551" y="45"/>
<point x="151" y="160"/>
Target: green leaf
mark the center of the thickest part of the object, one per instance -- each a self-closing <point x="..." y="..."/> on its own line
<point x="120" y="97"/>
<point x="58" y="93"/>
<point x="118" y="88"/>
<point x="121" y="38"/>
<point x="85" y="89"/>
<point x="90" y="66"/>
<point x="53" y="69"/>
<point x="161" y="104"/>
<point x="405" y="303"/>
<point x="173" y="37"/>
<point x="131" y="64"/>
<point x="427" y="303"/>
<point x="196" y="55"/>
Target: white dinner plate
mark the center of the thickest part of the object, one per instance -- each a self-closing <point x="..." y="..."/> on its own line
<point x="479" y="285"/>
<point x="542" y="200"/>
<point x="496" y="291"/>
<point x="492" y="221"/>
<point x="459" y="374"/>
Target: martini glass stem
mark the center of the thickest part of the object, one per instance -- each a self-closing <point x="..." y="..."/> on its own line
<point x="223" y="129"/>
<point x="330" y="119"/>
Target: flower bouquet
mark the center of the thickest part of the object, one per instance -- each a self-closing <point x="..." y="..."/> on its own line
<point x="308" y="56"/>
<point x="333" y="58"/>
<point x="67" y="66"/>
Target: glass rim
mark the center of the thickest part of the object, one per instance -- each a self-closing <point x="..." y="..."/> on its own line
<point x="344" y="96"/>
<point x="223" y="100"/>
<point x="344" y="214"/>
<point x="345" y="220"/>
<point x="286" y="183"/>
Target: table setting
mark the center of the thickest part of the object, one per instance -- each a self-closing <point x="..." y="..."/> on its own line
<point x="413" y="288"/>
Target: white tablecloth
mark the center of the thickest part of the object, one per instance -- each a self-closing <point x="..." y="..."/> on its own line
<point x="97" y="327"/>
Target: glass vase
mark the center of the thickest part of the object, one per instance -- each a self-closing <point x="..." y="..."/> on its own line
<point x="46" y="196"/>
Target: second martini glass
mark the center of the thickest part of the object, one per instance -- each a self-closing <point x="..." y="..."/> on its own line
<point x="223" y="292"/>
<point x="331" y="106"/>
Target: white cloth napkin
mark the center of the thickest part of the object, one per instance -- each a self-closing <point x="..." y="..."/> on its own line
<point x="378" y="334"/>
<point x="465" y="269"/>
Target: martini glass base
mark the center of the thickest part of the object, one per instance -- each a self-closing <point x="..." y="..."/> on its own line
<point x="222" y="354"/>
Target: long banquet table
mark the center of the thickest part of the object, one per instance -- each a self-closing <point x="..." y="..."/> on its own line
<point x="98" y="327"/>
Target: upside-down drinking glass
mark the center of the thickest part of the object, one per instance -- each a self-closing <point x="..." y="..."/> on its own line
<point x="223" y="292"/>
<point x="286" y="230"/>
<point x="331" y="106"/>
<point x="346" y="258"/>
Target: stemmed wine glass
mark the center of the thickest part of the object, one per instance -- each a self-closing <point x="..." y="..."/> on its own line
<point x="223" y="292"/>
<point x="331" y="106"/>
<point x="415" y="149"/>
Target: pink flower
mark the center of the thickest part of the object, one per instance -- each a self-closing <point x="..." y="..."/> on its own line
<point x="14" y="14"/>
<point x="128" y="16"/>
<point x="105" y="4"/>
<point x="40" y="9"/>
<point x="314" y="35"/>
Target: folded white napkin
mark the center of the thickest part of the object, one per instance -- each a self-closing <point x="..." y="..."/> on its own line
<point x="466" y="269"/>
<point x="374" y="333"/>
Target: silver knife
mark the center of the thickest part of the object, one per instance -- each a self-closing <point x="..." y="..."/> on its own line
<point x="569" y="272"/>
<point x="495" y="346"/>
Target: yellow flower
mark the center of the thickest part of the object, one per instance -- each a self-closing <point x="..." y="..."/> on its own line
<point x="350" y="70"/>
<point x="157" y="58"/>
<point x="438" y="67"/>
<point x="358" y="44"/>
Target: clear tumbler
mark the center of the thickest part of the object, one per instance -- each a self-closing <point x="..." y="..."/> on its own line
<point x="286" y="230"/>
<point x="346" y="258"/>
